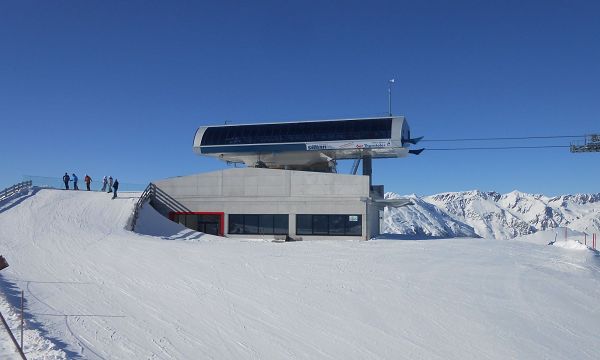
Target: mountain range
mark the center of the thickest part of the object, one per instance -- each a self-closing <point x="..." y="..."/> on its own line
<point x="492" y="215"/>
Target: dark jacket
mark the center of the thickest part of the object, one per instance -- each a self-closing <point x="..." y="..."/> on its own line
<point x="66" y="178"/>
<point x="116" y="185"/>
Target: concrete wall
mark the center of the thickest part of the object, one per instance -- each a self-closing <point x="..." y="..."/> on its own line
<point x="269" y="191"/>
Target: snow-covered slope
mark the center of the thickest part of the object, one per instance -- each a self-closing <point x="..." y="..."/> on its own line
<point x="99" y="291"/>
<point x="494" y="215"/>
<point x="423" y="219"/>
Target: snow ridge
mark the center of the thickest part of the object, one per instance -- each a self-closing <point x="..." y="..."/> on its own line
<point x="492" y="215"/>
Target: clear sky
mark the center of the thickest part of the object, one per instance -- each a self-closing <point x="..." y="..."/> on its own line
<point x="119" y="87"/>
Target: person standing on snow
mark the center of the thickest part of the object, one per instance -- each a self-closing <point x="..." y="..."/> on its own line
<point x="66" y="180"/>
<point x="75" y="179"/>
<point x="110" y="184"/>
<point x="87" y="180"/>
<point x="104" y="182"/>
<point x="115" y="187"/>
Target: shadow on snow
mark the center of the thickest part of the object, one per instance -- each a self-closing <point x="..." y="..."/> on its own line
<point x="13" y="296"/>
<point x="412" y="237"/>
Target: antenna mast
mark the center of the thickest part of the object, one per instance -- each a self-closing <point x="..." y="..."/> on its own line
<point x="390" y="82"/>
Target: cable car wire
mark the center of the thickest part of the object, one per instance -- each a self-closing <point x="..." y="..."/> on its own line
<point x="506" y="138"/>
<point x="498" y="148"/>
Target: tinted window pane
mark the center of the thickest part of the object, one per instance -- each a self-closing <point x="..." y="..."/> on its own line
<point x="251" y="224"/>
<point x="191" y="221"/>
<point x="320" y="224"/>
<point x="304" y="224"/>
<point x="208" y="218"/>
<point x="336" y="224"/>
<point x="236" y="224"/>
<point x="266" y="224"/>
<point x="210" y="228"/>
<point x="299" y="132"/>
<point x="353" y="225"/>
<point x="280" y="224"/>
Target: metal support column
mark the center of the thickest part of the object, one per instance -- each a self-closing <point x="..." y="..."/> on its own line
<point x="368" y="168"/>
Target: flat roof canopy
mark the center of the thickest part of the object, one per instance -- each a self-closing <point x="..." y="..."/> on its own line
<point x="305" y="143"/>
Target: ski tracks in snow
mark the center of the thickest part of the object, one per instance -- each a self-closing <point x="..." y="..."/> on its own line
<point x="81" y="342"/>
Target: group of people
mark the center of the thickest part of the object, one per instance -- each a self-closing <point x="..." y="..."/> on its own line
<point x="113" y="186"/>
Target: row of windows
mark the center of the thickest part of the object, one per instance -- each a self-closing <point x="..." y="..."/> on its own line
<point x="329" y="225"/>
<point x="276" y="224"/>
<point x="268" y="224"/>
<point x="196" y="221"/>
<point x="299" y="132"/>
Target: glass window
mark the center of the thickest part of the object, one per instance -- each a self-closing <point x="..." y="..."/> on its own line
<point x="304" y="224"/>
<point x="250" y="224"/>
<point x="320" y="224"/>
<point x="266" y="224"/>
<point x="236" y="224"/>
<point x="191" y="221"/>
<point x="353" y="225"/>
<point x="332" y="225"/>
<point x="280" y="224"/>
<point x="336" y="224"/>
<point x="299" y="132"/>
<point x="209" y="218"/>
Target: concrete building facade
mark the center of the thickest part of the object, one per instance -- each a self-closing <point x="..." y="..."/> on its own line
<point x="272" y="204"/>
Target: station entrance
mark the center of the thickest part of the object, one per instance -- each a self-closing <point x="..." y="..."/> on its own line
<point x="206" y="222"/>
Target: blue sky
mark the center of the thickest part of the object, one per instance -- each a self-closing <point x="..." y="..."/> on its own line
<point x="119" y="88"/>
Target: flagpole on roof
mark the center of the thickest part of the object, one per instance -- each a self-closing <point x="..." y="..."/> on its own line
<point x="390" y="82"/>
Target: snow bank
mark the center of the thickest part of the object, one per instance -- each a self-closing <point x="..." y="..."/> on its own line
<point x="570" y="244"/>
<point x="151" y="223"/>
<point x="109" y="293"/>
<point x="556" y="237"/>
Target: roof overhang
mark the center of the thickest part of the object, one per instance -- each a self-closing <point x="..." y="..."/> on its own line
<point x="393" y="202"/>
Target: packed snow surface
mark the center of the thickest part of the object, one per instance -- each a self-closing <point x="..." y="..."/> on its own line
<point x="98" y="291"/>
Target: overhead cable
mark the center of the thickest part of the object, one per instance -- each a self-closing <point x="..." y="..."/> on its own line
<point x="498" y="148"/>
<point x="507" y="138"/>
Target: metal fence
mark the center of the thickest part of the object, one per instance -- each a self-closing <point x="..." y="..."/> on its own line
<point x="57" y="183"/>
<point x="12" y="336"/>
<point x="12" y="190"/>
<point x="147" y="195"/>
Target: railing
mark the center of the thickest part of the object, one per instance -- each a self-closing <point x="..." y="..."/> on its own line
<point x="15" y="189"/>
<point x="57" y="183"/>
<point x="148" y="194"/>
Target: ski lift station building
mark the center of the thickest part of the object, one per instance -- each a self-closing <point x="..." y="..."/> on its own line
<point x="288" y="187"/>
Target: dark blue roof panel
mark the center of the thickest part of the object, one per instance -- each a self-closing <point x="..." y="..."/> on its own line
<point x="378" y="128"/>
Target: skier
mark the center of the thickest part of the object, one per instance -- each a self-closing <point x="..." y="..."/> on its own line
<point x="104" y="182"/>
<point x="87" y="180"/>
<point x="115" y="187"/>
<point x="110" y="184"/>
<point x="75" y="179"/>
<point x="66" y="180"/>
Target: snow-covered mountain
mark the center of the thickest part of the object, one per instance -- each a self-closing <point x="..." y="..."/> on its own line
<point x="492" y="215"/>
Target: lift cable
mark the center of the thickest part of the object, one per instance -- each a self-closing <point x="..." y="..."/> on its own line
<point x="507" y="138"/>
<point x="498" y="148"/>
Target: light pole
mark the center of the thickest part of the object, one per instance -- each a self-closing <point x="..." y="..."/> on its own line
<point x="390" y="82"/>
